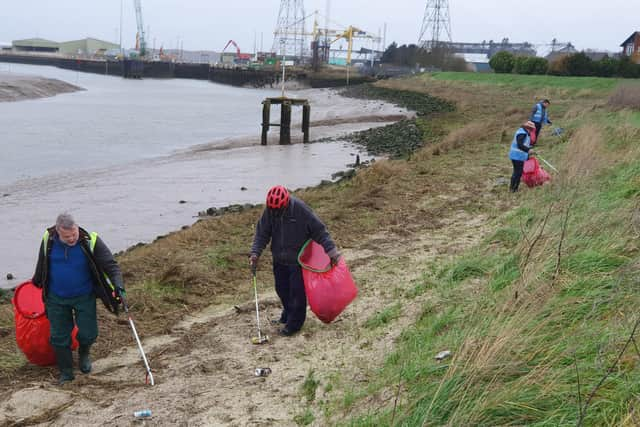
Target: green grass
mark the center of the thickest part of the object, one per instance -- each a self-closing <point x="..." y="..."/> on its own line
<point x="305" y="418"/>
<point x="531" y="81"/>
<point x="518" y="331"/>
<point x="384" y="317"/>
<point x="310" y="386"/>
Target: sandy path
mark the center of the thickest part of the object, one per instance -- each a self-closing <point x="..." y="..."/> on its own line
<point x="204" y="368"/>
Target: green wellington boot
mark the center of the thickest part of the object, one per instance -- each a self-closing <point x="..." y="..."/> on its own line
<point x="64" y="358"/>
<point x="85" y="360"/>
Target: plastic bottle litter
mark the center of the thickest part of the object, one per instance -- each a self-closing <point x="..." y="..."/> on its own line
<point x="145" y="413"/>
<point x="443" y="355"/>
<point x="262" y="372"/>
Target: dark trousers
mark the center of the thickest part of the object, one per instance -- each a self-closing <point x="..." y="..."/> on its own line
<point x="64" y="312"/>
<point x="290" y="290"/>
<point x="538" y="127"/>
<point x="518" y="166"/>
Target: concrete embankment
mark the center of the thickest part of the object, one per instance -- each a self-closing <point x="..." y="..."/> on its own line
<point x="15" y="87"/>
<point x="158" y="69"/>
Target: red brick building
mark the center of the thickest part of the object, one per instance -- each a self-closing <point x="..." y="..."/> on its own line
<point x="631" y="47"/>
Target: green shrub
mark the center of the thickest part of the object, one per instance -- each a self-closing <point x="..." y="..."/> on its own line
<point x="502" y="62"/>
<point x="530" y="65"/>
<point x="579" y="64"/>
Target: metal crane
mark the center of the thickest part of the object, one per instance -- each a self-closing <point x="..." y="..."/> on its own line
<point x="240" y="56"/>
<point x="141" y="37"/>
<point x="349" y="34"/>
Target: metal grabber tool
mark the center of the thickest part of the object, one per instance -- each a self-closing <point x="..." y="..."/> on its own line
<point x="149" y="377"/>
<point x="260" y="339"/>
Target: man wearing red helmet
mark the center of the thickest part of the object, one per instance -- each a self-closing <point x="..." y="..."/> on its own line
<point x="288" y="223"/>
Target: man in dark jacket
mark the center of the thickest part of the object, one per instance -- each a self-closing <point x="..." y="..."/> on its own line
<point x="288" y="223"/>
<point x="74" y="267"/>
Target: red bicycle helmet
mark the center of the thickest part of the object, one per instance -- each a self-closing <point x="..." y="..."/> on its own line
<point x="277" y="197"/>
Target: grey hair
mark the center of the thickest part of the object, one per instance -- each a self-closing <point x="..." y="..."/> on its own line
<point x="65" y="220"/>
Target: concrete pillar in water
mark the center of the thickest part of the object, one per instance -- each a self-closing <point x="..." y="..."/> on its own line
<point x="306" y="117"/>
<point x="285" y="123"/>
<point x="266" y="118"/>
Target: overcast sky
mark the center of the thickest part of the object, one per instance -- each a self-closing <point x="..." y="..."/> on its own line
<point x="209" y="24"/>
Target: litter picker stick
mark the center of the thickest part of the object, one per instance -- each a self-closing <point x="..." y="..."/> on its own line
<point x="548" y="164"/>
<point x="135" y="334"/>
<point x="261" y="338"/>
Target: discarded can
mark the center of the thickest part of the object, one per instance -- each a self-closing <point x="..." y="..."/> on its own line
<point x="443" y="355"/>
<point x="145" y="413"/>
<point x="262" y="372"/>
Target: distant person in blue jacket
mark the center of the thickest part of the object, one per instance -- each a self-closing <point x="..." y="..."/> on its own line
<point x="539" y="115"/>
<point x="288" y="223"/>
<point x="519" y="153"/>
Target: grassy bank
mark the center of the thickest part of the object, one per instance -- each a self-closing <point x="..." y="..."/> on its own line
<point x="540" y="314"/>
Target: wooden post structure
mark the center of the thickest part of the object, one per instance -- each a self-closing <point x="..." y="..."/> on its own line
<point x="285" y="118"/>
<point x="306" y="118"/>
<point x="285" y="123"/>
<point x="266" y="118"/>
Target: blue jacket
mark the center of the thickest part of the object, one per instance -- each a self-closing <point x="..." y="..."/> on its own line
<point x="289" y="230"/>
<point x="520" y="145"/>
<point x="539" y="114"/>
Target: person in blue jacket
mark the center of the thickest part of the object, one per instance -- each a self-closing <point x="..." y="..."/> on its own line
<point x="288" y="223"/>
<point x="520" y="152"/>
<point x="539" y="115"/>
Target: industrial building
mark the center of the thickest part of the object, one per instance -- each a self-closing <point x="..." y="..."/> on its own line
<point x="87" y="47"/>
<point x="35" y="45"/>
<point x="84" y="47"/>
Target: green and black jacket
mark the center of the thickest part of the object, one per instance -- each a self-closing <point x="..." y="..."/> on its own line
<point x="104" y="268"/>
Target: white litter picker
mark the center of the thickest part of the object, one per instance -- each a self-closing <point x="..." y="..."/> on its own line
<point x="149" y="377"/>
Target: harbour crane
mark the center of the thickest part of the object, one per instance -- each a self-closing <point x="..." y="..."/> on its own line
<point x="141" y="41"/>
<point x="241" y="57"/>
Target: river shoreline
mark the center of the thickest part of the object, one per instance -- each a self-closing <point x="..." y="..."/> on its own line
<point x="17" y="87"/>
<point x="136" y="201"/>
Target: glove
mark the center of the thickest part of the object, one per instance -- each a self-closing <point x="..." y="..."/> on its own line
<point x="120" y="293"/>
<point x="253" y="263"/>
<point x="335" y="259"/>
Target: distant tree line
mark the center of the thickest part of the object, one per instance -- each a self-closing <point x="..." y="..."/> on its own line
<point x="414" y="56"/>
<point x="577" y="64"/>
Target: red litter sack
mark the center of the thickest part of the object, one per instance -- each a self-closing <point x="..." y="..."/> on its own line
<point x="32" y="326"/>
<point x="533" y="174"/>
<point x="329" y="289"/>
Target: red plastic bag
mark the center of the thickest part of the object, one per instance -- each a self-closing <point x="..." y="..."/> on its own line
<point x="329" y="290"/>
<point x="533" y="174"/>
<point x="32" y="326"/>
<point x="533" y="137"/>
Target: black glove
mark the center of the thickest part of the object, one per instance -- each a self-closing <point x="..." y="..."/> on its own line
<point x="253" y="263"/>
<point x="335" y="259"/>
<point x="120" y="293"/>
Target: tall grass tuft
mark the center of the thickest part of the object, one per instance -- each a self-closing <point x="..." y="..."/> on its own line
<point x="626" y="95"/>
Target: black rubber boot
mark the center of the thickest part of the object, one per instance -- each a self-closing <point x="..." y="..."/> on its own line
<point x="85" y="360"/>
<point x="283" y="319"/>
<point x="64" y="358"/>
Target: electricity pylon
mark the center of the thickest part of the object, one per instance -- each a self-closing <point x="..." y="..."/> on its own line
<point x="289" y="37"/>
<point x="436" y="24"/>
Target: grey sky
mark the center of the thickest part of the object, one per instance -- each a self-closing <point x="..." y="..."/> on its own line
<point x="209" y="24"/>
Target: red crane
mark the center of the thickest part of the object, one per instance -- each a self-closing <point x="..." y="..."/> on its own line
<point x="240" y="56"/>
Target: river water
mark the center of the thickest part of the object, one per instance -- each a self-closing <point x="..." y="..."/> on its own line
<point x="133" y="159"/>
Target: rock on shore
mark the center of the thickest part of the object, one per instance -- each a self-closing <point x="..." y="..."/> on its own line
<point x="15" y="87"/>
